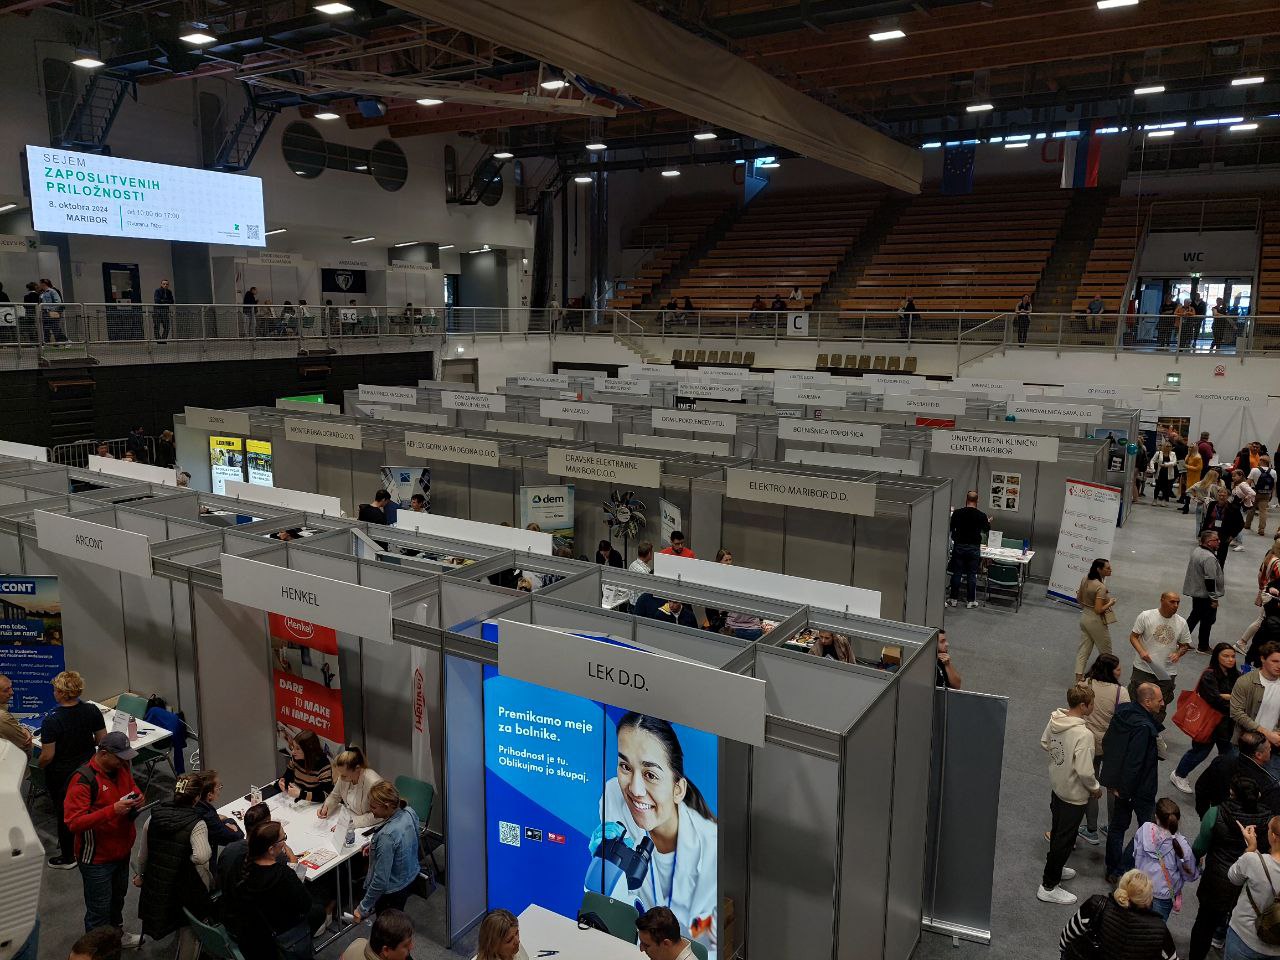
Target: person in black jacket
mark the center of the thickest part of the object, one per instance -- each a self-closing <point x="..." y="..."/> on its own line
<point x="161" y="313"/>
<point x="1253" y="751"/>
<point x="669" y="611"/>
<point x="1215" y="689"/>
<point x="268" y="910"/>
<point x="605" y="554"/>
<point x="1129" y="770"/>
<point x="174" y="866"/>
<point x="375" y="512"/>
<point x="222" y="830"/>
<point x="1123" y="925"/>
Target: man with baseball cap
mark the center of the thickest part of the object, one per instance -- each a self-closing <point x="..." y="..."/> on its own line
<point x="101" y="805"/>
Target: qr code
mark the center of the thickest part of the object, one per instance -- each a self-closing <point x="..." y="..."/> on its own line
<point x="509" y="833"/>
<point x="253" y="231"/>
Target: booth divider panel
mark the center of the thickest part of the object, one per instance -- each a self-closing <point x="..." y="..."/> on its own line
<point x="148" y="620"/>
<point x="450" y="487"/>
<point x="734" y="821"/>
<point x="712" y="648"/>
<point x="187" y="700"/>
<point x="881" y="561"/>
<point x="492" y="492"/>
<point x="864" y="843"/>
<point x="52" y="481"/>
<point x="463" y="602"/>
<point x="811" y="690"/>
<point x="191" y="447"/>
<point x="754" y="533"/>
<point x="335" y="477"/>
<point x="293" y="464"/>
<point x="322" y="565"/>
<point x="464" y="781"/>
<point x="938" y="531"/>
<point x="703" y="520"/>
<point x="9" y="493"/>
<point x="366" y="472"/>
<point x="584" y="590"/>
<point x="576" y="619"/>
<point x="819" y="545"/>
<point x="10" y="552"/>
<point x="919" y="546"/>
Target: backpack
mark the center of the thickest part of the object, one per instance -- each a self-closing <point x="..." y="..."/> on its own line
<point x="1266" y="483"/>
<point x="1266" y="923"/>
<point x="90" y="777"/>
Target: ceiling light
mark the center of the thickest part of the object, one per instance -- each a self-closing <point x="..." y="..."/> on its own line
<point x="428" y="102"/>
<point x="1221" y="121"/>
<point x="1015" y="146"/>
<point x="197" y="38"/>
<point x="553" y="84"/>
<point x="407" y="243"/>
<point x="671" y="173"/>
<point x="1160" y="133"/>
<point x="771" y="165"/>
<point x="361" y="167"/>
<point x="7" y="207"/>
<point x="1143" y="91"/>
<point x="475" y="251"/>
<point x="978" y="108"/>
<point x="887" y="35"/>
<point x="1018" y="136"/>
<point x="445" y="246"/>
<point x="87" y="62"/>
<point x="333" y="9"/>
<point x="583" y="178"/>
<point x="930" y="146"/>
<point x="272" y="233"/>
<point x="597" y="146"/>
<point x="503" y="155"/>
<point x="704" y="135"/>
<point x="1108" y="4"/>
<point x="461" y="348"/>
<point x="1234" y="128"/>
<point x="326" y="115"/>
<point x="1247" y="81"/>
<point x="301" y="173"/>
<point x="363" y="239"/>
<point x="485" y="247"/>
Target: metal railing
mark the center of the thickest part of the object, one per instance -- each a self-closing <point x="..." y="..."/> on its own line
<point x="76" y="454"/>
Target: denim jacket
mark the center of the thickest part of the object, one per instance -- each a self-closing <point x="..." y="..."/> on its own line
<point x="393" y="857"/>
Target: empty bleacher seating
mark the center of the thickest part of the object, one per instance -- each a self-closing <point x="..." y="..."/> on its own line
<point x="677" y="226"/>
<point x="1106" y="273"/>
<point x="1267" y="298"/>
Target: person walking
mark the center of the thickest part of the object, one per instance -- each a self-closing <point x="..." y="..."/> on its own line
<point x="1262" y="479"/>
<point x="1259" y="874"/>
<point x="1242" y="500"/>
<point x="1165" y="856"/>
<point x="162" y="311"/>
<point x="1215" y="686"/>
<point x="1205" y="446"/>
<point x="1255" y="702"/>
<point x="1201" y="494"/>
<point x="1069" y="744"/>
<point x="1129" y="768"/>
<point x="1097" y="612"/>
<point x="1108" y="694"/>
<point x="1203" y="583"/>
<point x="1121" y="924"/>
<point x="102" y="802"/>
<point x="1164" y="470"/>
<point x="1161" y="638"/>
<point x="69" y="736"/>
<point x="969" y="529"/>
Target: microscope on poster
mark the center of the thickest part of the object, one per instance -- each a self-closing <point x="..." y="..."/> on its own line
<point x="617" y="865"/>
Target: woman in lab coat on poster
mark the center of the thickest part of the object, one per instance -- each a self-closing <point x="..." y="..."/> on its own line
<point x="652" y="796"/>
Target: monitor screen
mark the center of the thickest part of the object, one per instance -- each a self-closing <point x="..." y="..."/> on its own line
<point x="116" y="197"/>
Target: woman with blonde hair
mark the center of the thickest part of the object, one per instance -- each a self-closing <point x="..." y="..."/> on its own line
<point x="69" y="737"/>
<point x="1122" y="925"/>
<point x="393" y="853"/>
<point x="500" y="937"/>
<point x="1259" y="874"/>
<point x="1203" y="492"/>
<point x="353" y="780"/>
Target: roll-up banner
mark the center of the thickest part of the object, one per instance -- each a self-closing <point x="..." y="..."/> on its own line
<point x="31" y="643"/>
<point x="402" y="483"/>
<point x="308" y="687"/>
<point x="258" y="460"/>
<point x="226" y="461"/>
<point x="672" y="519"/>
<point x="551" y="509"/>
<point x="1087" y="531"/>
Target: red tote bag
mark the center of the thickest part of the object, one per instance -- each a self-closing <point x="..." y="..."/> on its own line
<point x="1195" y="717"/>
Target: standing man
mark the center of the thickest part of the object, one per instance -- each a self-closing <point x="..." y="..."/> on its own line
<point x="1263" y="480"/>
<point x="10" y="728"/>
<point x="1207" y="453"/>
<point x="161" y="316"/>
<point x="969" y="529"/>
<point x="1180" y="451"/>
<point x="51" y="313"/>
<point x="1255" y="702"/>
<point x="1161" y="638"/>
<point x="1203" y="584"/>
<point x="375" y="512"/>
<point x="678" y="548"/>
<point x="1023" y="314"/>
<point x="249" y="313"/>
<point x="1069" y="744"/>
<point x="101" y="806"/>
<point x="1129" y="769"/>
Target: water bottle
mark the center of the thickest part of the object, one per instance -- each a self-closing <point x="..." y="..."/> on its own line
<point x="1026" y="546"/>
<point x="133" y="728"/>
<point x="351" y="835"/>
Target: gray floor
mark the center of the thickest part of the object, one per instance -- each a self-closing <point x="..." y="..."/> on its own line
<point x="1027" y="657"/>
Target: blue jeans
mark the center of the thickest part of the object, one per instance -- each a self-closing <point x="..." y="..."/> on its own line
<point x="965" y="558"/>
<point x="104" y="889"/>
<point x="1197" y="753"/>
<point x="1237" y="949"/>
<point x="1162" y="906"/>
<point x="1120" y="856"/>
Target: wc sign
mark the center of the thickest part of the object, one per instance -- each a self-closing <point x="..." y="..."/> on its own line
<point x="797" y="324"/>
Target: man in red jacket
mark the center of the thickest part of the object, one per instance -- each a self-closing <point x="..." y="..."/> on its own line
<point x="101" y="805"/>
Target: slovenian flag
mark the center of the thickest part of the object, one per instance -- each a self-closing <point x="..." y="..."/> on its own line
<point x="1080" y="159"/>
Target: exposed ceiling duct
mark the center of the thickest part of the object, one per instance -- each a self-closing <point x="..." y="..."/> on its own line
<point x="619" y="43"/>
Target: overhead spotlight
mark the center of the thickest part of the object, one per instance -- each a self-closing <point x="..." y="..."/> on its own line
<point x="334" y="9"/>
<point x="485" y="247"/>
<point x="445" y="246"/>
<point x="582" y="178"/>
<point x="1160" y="133"/>
<point x="475" y="251"/>
<point x="553" y="84"/>
<point x="503" y="155"/>
<point x="198" y="38"/>
<point x="326" y="115"/>
<point x="597" y="146"/>
<point x="1143" y="91"/>
<point x="705" y="135"/>
<point x="1015" y="146"/>
<point x="1234" y="128"/>
<point x="363" y="239"/>
<point x="1247" y="81"/>
<point x="887" y="35"/>
<point x="1109" y="4"/>
<point x="272" y="233"/>
<point x="361" y="167"/>
<point x="87" y="60"/>
<point x="428" y="102"/>
<point x="5" y="208"/>
<point x="771" y="165"/>
<point x="978" y="108"/>
<point x="671" y="173"/>
<point x="407" y="243"/>
<point x="301" y="173"/>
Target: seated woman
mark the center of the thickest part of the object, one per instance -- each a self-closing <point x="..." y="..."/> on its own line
<point x="222" y="830"/>
<point x="833" y="645"/>
<point x="352" y="781"/>
<point x="268" y="910"/>
<point x="308" y="776"/>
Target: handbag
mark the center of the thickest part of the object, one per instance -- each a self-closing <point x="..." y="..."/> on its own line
<point x="1195" y="717"/>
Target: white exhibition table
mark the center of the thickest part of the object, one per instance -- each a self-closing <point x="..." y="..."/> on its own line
<point x="547" y="934"/>
<point x="1007" y="555"/>
<point x="148" y="734"/>
<point x="314" y="842"/>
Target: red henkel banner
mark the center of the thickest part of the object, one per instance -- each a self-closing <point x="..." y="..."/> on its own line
<point x="292" y="630"/>
<point x="307" y="705"/>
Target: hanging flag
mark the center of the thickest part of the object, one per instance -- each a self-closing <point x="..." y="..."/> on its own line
<point x="957" y="169"/>
<point x="1081" y="158"/>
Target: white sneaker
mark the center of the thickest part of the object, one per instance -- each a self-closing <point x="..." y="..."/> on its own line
<point x="1238" y="547"/>
<point x="1056" y="895"/>
<point x="972" y="604"/>
<point x="1181" y="783"/>
<point x="131" y="941"/>
<point x="952" y="602"/>
<point x="1067" y="874"/>
<point x="1217" y="943"/>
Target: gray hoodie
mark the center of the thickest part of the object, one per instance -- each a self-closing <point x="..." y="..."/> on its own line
<point x="1069" y="744"/>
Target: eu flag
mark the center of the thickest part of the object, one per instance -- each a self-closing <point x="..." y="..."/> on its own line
<point x="957" y="169"/>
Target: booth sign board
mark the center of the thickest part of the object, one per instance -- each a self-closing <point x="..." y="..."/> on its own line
<point x="455" y="384"/>
<point x="410" y="416"/>
<point x="96" y="543"/>
<point x="892" y="382"/>
<point x="561" y="410"/>
<point x="345" y="435"/>
<point x="474" y="531"/>
<point x="24" y="451"/>
<point x="302" y="406"/>
<point x="605" y="467"/>
<point x="797" y="490"/>
<point x="727" y="704"/>
<point x="1001" y="388"/>
<point x="489" y="402"/>
<point x="1087" y="530"/>
<point x="651" y="370"/>
<point x="723" y="373"/>
<point x="134" y="471"/>
<point x="695" y="421"/>
<point x="938" y="407"/>
<point x="810" y="396"/>
<point x="999" y="446"/>
<point x="375" y="394"/>
<point x="433" y="446"/>
<point x="715" y="448"/>
<point x="1236" y="398"/>
<point x="697" y="390"/>
<point x="516" y="428"/>
<point x="831" y="431"/>
<point x="798" y="324"/>
<point x="217" y="421"/>
<point x="635" y="386"/>
<point x="284" y="497"/>
<point x="1051" y="412"/>
<point x="1106" y="392"/>
<point x="346" y="607"/>
<point x="800" y="378"/>
<point x="853" y="461"/>
<point x="556" y="381"/>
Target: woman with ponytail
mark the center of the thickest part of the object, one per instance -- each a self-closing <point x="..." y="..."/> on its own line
<point x="269" y="911"/>
<point x="353" y="779"/>
<point x="653" y="799"/>
<point x="1165" y="856"/>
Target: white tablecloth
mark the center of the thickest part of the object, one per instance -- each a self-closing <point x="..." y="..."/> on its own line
<point x="1007" y="555"/>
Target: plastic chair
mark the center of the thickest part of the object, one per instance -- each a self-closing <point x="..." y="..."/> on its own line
<point x="864" y="362"/>
<point x="676" y="355"/>
<point x="1006" y="579"/>
<point x="132" y="704"/>
<point x="879" y="363"/>
<point x="214" y="939"/>
<point x="895" y="362"/>
<point x="421" y="796"/>
<point x="909" y="365"/>
<point x="148" y="757"/>
<point x="619" y="917"/>
<point x="698" y="949"/>
<point x="736" y="356"/>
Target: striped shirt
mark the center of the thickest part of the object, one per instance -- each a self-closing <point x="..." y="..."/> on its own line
<point x="314" y="784"/>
